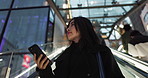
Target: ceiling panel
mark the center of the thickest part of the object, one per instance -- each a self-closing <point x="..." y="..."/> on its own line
<point x="104" y="12"/>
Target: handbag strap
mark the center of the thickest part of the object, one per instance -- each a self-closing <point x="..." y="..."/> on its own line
<point x="100" y="65"/>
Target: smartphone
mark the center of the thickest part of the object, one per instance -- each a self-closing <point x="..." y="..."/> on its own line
<point x="35" y="49"/>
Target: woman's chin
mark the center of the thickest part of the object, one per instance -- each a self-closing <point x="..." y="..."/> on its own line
<point x="70" y="38"/>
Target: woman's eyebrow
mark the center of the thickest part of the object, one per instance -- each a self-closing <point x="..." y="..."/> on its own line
<point x="72" y="22"/>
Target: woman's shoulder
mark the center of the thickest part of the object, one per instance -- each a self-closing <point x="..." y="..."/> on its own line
<point x="64" y="54"/>
<point x="103" y="48"/>
<point x="100" y="48"/>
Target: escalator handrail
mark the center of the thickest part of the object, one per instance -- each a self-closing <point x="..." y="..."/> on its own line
<point x="125" y="55"/>
<point x="132" y="68"/>
<point x="132" y="61"/>
<point x="14" y="53"/>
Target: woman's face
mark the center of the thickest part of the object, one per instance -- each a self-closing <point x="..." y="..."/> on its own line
<point x="72" y="33"/>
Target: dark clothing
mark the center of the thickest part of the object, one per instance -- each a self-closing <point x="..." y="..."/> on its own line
<point x="75" y="62"/>
<point x="102" y="42"/>
<point x="139" y="39"/>
<point x="125" y="39"/>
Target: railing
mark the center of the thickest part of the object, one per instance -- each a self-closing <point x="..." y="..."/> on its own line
<point x="136" y="68"/>
<point x="19" y="63"/>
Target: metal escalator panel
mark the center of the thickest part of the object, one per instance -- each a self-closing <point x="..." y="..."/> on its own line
<point x="131" y="67"/>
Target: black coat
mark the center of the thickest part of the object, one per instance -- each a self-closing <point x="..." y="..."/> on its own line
<point x="82" y="63"/>
<point x="139" y="39"/>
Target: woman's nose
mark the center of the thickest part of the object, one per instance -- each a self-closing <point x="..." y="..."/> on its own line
<point x="67" y="29"/>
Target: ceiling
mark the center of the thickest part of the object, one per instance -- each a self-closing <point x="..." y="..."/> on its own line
<point x="104" y="14"/>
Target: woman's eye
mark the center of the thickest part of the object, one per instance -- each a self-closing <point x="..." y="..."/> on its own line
<point x="72" y="24"/>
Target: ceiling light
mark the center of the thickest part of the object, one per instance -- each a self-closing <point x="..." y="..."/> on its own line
<point x="110" y="8"/>
<point x="105" y="9"/>
<point x="110" y="20"/>
<point x="65" y="6"/>
<point x="92" y="2"/>
<point x="67" y="16"/>
<point x="1" y="60"/>
<point x="45" y="3"/>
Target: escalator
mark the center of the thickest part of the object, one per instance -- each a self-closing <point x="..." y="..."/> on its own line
<point x="130" y="67"/>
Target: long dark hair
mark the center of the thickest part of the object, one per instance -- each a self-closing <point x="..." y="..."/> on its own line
<point x="87" y="33"/>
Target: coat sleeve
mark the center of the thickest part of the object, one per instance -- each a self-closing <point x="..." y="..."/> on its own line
<point x="45" y="73"/>
<point x="110" y="65"/>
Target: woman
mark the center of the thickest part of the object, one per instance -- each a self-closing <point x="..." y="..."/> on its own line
<point x="79" y="59"/>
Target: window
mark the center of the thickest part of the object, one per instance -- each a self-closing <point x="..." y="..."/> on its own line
<point x="5" y="4"/>
<point x="26" y="27"/>
<point x="28" y="3"/>
<point x="3" y="15"/>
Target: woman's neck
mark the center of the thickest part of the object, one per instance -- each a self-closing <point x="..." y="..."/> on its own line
<point x="76" y="40"/>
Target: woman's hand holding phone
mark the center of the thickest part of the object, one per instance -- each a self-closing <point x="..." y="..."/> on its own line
<point x="39" y="57"/>
<point x="41" y="64"/>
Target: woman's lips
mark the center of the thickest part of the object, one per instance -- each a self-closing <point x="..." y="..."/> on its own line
<point x="68" y="33"/>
